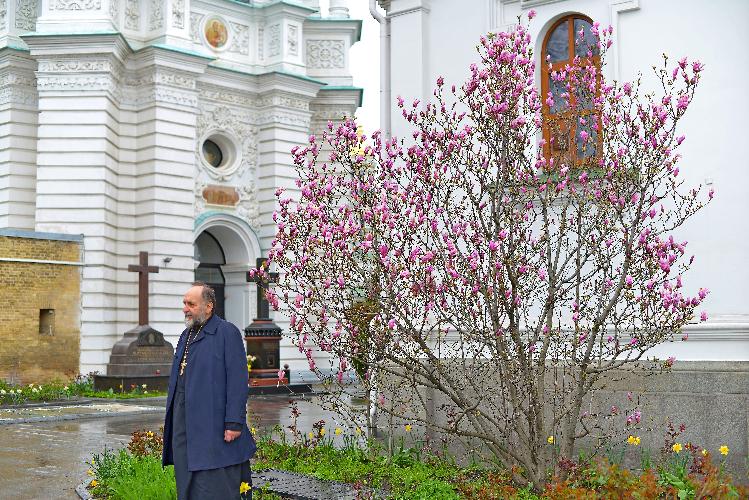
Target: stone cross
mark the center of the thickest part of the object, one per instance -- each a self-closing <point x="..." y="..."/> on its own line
<point x="263" y="309"/>
<point x="143" y="269"/>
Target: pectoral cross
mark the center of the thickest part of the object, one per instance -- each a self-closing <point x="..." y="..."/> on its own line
<point x="262" y="281"/>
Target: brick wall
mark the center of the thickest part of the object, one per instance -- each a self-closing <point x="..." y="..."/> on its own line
<point x="26" y="355"/>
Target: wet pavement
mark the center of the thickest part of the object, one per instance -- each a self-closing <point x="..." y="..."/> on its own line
<point x="48" y="459"/>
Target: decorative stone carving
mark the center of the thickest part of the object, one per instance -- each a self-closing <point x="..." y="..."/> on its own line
<point x="84" y="81"/>
<point x="26" y="15"/>
<point x="292" y="40"/>
<point x="249" y="208"/>
<point x="156" y="20"/>
<point x="221" y="94"/>
<point x="240" y="42"/>
<point x="285" y="118"/>
<point x="132" y="15"/>
<point x="274" y="44"/>
<point x="260" y="42"/>
<point x="74" y="4"/>
<point x="178" y="13"/>
<point x="114" y="11"/>
<point x="74" y="66"/>
<point x="325" y="54"/>
<point x="17" y="88"/>
<point x="284" y="100"/>
<point x="3" y="14"/>
<point x="200" y="186"/>
<point x="163" y="76"/>
<point x="223" y="119"/>
<point x="195" y="20"/>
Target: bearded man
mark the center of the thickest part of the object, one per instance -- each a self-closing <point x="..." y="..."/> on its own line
<point x="205" y="430"/>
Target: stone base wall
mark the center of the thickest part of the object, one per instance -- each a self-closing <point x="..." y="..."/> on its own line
<point x="39" y="271"/>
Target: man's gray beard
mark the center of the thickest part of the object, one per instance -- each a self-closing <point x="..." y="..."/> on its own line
<point x="199" y="319"/>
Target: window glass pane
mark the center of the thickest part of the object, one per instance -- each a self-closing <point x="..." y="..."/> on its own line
<point x="209" y="275"/>
<point x="557" y="89"/>
<point x="583" y="98"/>
<point x="586" y="139"/>
<point x="587" y="41"/>
<point x="558" y="44"/>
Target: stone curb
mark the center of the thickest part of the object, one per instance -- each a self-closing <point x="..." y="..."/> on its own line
<point x="82" y="492"/>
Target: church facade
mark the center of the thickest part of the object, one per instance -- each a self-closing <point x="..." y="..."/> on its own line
<point x="162" y="126"/>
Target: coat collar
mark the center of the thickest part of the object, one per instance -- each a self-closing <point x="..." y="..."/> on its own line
<point x="209" y="328"/>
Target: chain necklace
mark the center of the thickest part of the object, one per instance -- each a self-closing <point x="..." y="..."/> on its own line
<point x="183" y="364"/>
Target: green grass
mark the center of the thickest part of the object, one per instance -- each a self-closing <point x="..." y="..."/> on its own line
<point x="81" y="386"/>
<point x="124" y="476"/>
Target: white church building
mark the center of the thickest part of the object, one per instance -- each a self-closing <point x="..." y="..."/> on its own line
<point x="162" y="126"/>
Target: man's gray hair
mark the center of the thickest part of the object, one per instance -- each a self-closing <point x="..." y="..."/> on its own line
<point x="208" y="294"/>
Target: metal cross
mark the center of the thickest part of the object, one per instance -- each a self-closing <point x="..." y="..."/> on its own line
<point x="263" y="308"/>
<point x="143" y="269"/>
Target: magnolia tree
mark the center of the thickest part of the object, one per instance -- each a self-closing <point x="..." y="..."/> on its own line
<point x="482" y="281"/>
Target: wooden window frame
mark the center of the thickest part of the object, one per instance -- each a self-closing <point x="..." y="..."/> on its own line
<point x="571" y="111"/>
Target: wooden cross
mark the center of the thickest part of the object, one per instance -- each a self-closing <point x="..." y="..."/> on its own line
<point x="263" y="308"/>
<point x="143" y="269"/>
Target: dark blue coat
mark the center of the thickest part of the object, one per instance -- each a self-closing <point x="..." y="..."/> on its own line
<point x="215" y="394"/>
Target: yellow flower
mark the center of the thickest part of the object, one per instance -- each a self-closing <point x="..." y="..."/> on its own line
<point x="408" y="427"/>
<point x="550" y="439"/>
<point x="149" y="434"/>
<point x="358" y="430"/>
<point x="676" y="447"/>
<point x="322" y="431"/>
<point x="723" y="450"/>
<point x="90" y="472"/>
<point x="244" y="488"/>
<point x="94" y="483"/>
<point x="310" y="435"/>
<point x="338" y="431"/>
<point x="253" y="430"/>
<point x="704" y="452"/>
<point x="634" y="441"/>
<point x="120" y="386"/>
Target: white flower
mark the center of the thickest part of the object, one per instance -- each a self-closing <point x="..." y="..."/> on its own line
<point x="65" y="388"/>
<point x="34" y="390"/>
<point x="2" y="391"/>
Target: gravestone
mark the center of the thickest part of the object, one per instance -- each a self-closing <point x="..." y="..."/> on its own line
<point x="263" y="339"/>
<point x="141" y="356"/>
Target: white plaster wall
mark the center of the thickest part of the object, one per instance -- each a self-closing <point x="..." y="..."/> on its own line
<point x="438" y="38"/>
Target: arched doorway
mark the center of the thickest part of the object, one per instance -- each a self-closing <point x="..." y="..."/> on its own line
<point x="225" y="249"/>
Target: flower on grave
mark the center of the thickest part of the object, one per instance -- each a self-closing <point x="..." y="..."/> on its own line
<point x="65" y="388"/>
<point x="94" y="483"/>
<point x="120" y="386"/>
<point x="90" y="472"/>
<point x="408" y="427"/>
<point x="358" y="430"/>
<point x="244" y="488"/>
<point x="145" y="392"/>
<point x="704" y="452"/>
<point x="2" y="391"/>
<point x="633" y="440"/>
<point x="253" y="431"/>
<point x="723" y="450"/>
<point x="550" y="439"/>
<point x="677" y="447"/>
<point x="338" y="431"/>
<point x="34" y="390"/>
<point x="149" y="434"/>
<point x="310" y="435"/>
<point x="144" y="386"/>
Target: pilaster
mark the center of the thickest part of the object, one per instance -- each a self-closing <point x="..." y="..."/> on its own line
<point x="18" y="121"/>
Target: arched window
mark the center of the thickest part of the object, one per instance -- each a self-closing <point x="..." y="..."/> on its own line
<point x="569" y="38"/>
